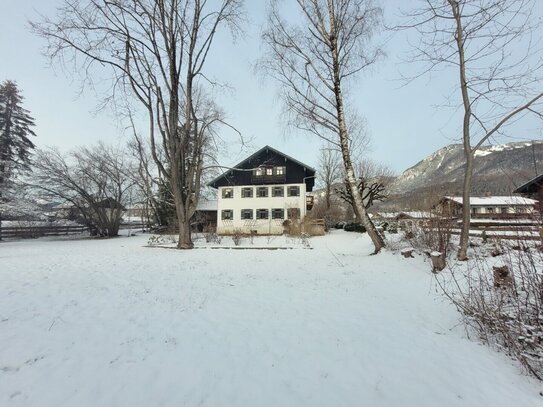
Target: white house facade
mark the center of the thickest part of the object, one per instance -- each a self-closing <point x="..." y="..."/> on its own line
<point x="262" y="192"/>
<point x="489" y="206"/>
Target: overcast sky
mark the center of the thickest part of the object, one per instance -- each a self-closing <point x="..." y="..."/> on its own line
<point x="405" y="122"/>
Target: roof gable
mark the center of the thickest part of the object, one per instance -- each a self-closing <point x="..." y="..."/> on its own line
<point x="531" y="186"/>
<point x="240" y="174"/>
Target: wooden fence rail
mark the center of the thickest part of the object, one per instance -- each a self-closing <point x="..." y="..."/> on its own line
<point x="27" y="232"/>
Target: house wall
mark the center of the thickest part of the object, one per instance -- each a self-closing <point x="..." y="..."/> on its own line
<point x="261" y="226"/>
<point x="491" y="210"/>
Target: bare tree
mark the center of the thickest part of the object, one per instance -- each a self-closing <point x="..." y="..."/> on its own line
<point x="147" y="178"/>
<point x="312" y="61"/>
<point x="96" y="181"/>
<point x="372" y="183"/>
<point x="156" y="51"/>
<point x="491" y="44"/>
<point x="329" y="171"/>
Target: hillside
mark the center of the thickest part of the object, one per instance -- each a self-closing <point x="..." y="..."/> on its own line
<point x="499" y="169"/>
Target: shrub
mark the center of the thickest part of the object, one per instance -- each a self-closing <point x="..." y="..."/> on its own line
<point x="355" y="227"/>
<point x="502" y="304"/>
<point x="237" y="237"/>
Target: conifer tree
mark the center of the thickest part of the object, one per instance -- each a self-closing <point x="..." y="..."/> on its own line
<point x="15" y="144"/>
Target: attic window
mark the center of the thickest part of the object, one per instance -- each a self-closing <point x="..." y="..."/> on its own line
<point x="259" y="172"/>
<point x="279" y="170"/>
<point x="269" y="171"/>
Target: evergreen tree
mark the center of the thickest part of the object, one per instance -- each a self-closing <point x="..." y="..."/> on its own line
<point x="15" y="144"/>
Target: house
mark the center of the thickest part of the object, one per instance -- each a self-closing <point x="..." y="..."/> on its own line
<point x="488" y="206"/>
<point x="205" y="216"/>
<point x="263" y="191"/>
<point x="533" y="189"/>
<point x="405" y="219"/>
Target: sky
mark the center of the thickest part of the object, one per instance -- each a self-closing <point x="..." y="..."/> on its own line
<point x="406" y="122"/>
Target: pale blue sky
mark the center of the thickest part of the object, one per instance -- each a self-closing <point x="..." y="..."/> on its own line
<point x="405" y="123"/>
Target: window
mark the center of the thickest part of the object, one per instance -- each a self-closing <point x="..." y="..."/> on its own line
<point x="262" y="192"/>
<point x="269" y="171"/>
<point x="246" y="192"/>
<point x="293" y="213"/>
<point x="262" y="214"/>
<point x="228" y="192"/>
<point x="519" y="209"/>
<point x="474" y="211"/>
<point x="259" y="172"/>
<point x="489" y="210"/>
<point x="279" y="170"/>
<point x="503" y="209"/>
<point x="294" y="191"/>
<point x="278" y="213"/>
<point x="278" y="191"/>
<point x="227" y="214"/>
<point x="246" y="214"/>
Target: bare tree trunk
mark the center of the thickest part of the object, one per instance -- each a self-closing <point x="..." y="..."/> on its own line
<point x="350" y="178"/>
<point x="466" y="208"/>
<point x="328" y="192"/>
<point x="466" y="190"/>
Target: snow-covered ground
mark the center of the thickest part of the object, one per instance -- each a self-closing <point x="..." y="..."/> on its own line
<point x="114" y="323"/>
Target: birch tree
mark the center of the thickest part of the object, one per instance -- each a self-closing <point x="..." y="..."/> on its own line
<point x="492" y="46"/>
<point x="155" y="52"/>
<point x="313" y="59"/>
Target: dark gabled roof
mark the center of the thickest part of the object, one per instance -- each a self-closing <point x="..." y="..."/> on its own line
<point x="240" y="164"/>
<point x="526" y="188"/>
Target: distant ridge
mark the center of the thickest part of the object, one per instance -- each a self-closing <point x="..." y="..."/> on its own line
<point x="499" y="169"/>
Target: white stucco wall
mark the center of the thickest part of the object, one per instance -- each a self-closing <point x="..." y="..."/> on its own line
<point x="262" y="226"/>
<point x="476" y="209"/>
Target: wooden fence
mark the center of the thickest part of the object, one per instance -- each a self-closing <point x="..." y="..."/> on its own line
<point x="28" y="232"/>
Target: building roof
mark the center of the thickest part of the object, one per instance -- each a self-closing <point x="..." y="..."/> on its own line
<point x="495" y="200"/>
<point x="240" y="164"/>
<point x="206" y="206"/>
<point x="530" y="186"/>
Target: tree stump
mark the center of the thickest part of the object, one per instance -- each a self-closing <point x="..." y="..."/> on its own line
<point x="438" y="261"/>
<point x="407" y="253"/>
<point x="503" y="277"/>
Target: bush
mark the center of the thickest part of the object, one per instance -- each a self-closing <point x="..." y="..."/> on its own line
<point x="502" y="304"/>
<point x="355" y="227"/>
<point x="237" y="237"/>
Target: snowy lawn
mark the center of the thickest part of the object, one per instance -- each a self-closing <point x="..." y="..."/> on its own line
<point x="114" y="323"/>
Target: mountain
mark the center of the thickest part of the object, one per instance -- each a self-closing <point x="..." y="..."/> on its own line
<point x="499" y="169"/>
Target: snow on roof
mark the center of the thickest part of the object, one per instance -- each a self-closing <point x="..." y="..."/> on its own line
<point x="417" y="215"/>
<point x="207" y="205"/>
<point x="64" y="205"/>
<point x="495" y="200"/>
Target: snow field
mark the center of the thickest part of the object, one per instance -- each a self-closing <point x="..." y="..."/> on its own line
<point x="113" y="323"/>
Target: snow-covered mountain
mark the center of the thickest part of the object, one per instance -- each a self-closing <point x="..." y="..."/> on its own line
<point x="499" y="169"/>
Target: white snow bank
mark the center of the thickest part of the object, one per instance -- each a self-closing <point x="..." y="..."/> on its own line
<point x="113" y="323"/>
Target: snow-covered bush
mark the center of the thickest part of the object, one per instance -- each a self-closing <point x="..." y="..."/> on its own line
<point x="499" y="292"/>
<point x="159" y="240"/>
